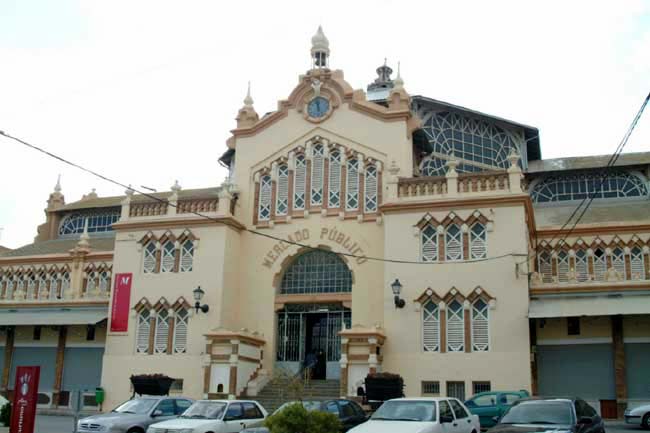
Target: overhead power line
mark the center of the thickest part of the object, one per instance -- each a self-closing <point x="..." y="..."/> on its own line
<point x="254" y="232"/>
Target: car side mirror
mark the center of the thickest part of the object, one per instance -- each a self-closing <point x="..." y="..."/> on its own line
<point x="585" y="421"/>
<point x="495" y="419"/>
<point x="446" y="419"/>
<point x="156" y="413"/>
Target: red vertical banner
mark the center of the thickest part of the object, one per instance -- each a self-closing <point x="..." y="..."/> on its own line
<point x="121" y="301"/>
<point x="23" y="412"/>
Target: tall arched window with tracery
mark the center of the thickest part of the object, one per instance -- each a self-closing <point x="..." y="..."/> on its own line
<point x="370" y="189"/>
<point x="334" y="184"/>
<point x="480" y="326"/>
<point x="431" y="327"/>
<point x="477" y="241"/>
<point x="563" y="266"/>
<point x="161" y="337"/>
<point x="282" y="199"/>
<point x="578" y="187"/>
<point x="637" y="264"/>
<point x="181" y="318"/>
<point x="317" y="172"/>
<point x="186" y="261"/>
<point x="582" y="265"/>
<point x="453" y="243"/>
<point x="264" y="207"/>
<point x="149" y="260"/>
<point x="352" y="185"/>
<point x="168" y="259"/>
<point x="455" y="327"/>
<point x="299" y="183"/>
<point x="143" y="331"/>
<point x="544" y="266"/>
<point x="429" y="243"/>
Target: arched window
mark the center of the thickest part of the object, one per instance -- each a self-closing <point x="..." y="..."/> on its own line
<point x="431" y="327"/>
<point x="334" y="184"/>
<point x="282" y="201"/>
<point x="563" y="266"/>
<point x="264" y="210"/>
<point x="455" y="327"/>
<point x="477" y="241"/>
<point x="168" y="259"/>
<point x="143" y="331"/>
<point x="104" y="282"/>
<point x="600" y="264"/>
<point x="42" y="286"/>
<point x="352" y="185"/>
<point x="582" y="265"/>
<point x="149" y="262"/>
<point x="429" y="241"/>
<point x="98" y="222"/>
<point x="432" y="166"/>
<point x="453" y="243"/>
<point x="187" y="256"/>
<point x="180" y="330"/>
<point x="316" y="272"/>
<point x="618" y="261"/>
<point x="65" y="283"/>
<point x="317" y="172"/>
<point x="480" y="326"/>
<point x="31" y="286"/>
<point x="54" y="285"/>
<point x="161" y="336"/>
<point x="568" y="188"/>
<point x="91" y="282"/>
<point x="637" y="265"/>
<point x="299" y="183"/>
<point x="370" y="189"/>
<point x="544" y="266"/>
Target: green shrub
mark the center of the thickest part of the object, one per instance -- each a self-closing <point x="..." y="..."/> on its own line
<point x="296" y="419"/>
<point x="5" y="414"/>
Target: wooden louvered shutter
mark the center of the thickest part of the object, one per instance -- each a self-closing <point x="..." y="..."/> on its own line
<point x="264" y="206"/>
<point x="149" y="264"/>
<point x="429" y="240"/>
<point x="480" y="326"/>
<point x="282" y="201"/>
<point x="299" y="183"/>
<point x="168" y="257"/>
<point x="582" y="267"/>
<point x="317" y="171"/>
<point x="161" y="338"/>
<point x="600" y="264"/>
<point x="187" y="256"/>
<point x="477" y="241"/>
<point x="142" y="332"/>
<point x="618" y="261"/>
<point x="334" y="187"/>
<point x="453" y="243"/>
<point x="180" y="331"/>
<point x="636" y="264"/>
<point x="370" y="189"/>
<point x="431" y="327"/>
<point x="455" y="327"/>
<point x="352" y="185"/>
<point x="563" y="266"/>
<point x="545" y="267"/>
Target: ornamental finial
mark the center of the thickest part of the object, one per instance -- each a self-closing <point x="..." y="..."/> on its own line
<point x="248" y="100"/>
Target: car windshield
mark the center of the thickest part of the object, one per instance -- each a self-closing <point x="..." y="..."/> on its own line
<point x="307" y="404"/>
<point x="205" y="409"/>
<point x="405" y="410"/>
<point x="140" y="405"/>
<point x="539" y="412"/>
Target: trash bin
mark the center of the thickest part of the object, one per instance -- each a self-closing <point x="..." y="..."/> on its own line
<point x="99" y="396"/>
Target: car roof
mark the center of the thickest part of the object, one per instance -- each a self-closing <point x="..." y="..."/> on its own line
<point x="422" y="398"/>
<point x="538" y="398"/>
<point x="520" y="392"/>
<point x="229" y="401"/>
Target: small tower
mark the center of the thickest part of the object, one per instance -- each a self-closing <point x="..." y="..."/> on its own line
<point x="383" y="80"/>
<point x="56" y="199"/>
<point x="247" y="116"/>
<point x="320" y="50"/>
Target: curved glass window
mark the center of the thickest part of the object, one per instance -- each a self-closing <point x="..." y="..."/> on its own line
<point x="98" y="222"/>
<point x="317" y="272"/>
<point x="567" y="188"/>
<point x="435" y="166"/>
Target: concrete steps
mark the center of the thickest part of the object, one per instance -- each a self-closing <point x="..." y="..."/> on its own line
<point x="279" y="391"/>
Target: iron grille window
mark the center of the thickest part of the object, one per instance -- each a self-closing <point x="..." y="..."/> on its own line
<point x="567" y="188"/>
<point x="430" y="387"/>
<point x="317" y="272"/>
<point x="481" y="386"/>
<point x="456" y="390"/>
<point x="98" y="222"/>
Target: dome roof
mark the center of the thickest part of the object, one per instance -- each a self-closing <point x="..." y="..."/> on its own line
<point x="319" y="41"/>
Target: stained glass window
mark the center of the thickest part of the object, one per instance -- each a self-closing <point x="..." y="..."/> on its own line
<point x="98" y="222"/>
<point x="317" y="272"/>
<point x="578" y="187"/>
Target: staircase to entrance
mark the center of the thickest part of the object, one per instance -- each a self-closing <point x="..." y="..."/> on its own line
<point x="279" y="391"/>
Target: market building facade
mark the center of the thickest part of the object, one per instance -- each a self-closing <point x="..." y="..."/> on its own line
<point x="373" y="230"/>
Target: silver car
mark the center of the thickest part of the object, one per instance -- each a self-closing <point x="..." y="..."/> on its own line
<point x="134" y="416"/>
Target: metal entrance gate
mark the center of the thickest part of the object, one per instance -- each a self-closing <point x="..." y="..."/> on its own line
<point x="293" y="333"/>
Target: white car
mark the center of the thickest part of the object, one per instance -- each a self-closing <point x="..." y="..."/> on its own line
<point x="421" y="415"/>
<point x="214" y="416"/>
<point x="639" y="416"/>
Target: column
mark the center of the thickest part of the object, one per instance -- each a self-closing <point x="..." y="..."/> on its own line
<point x="58" y="369"/>
<point x="619" y="365"/>
<point x="9" y="354"/>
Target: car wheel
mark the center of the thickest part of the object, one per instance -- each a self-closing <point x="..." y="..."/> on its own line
<point x="645" y="423"/>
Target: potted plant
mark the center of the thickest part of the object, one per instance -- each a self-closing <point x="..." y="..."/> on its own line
<point x="151" y="384"/>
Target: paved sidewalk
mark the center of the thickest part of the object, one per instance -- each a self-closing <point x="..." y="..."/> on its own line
<point x="54" y="424"/>
<point x="621" y="427"/>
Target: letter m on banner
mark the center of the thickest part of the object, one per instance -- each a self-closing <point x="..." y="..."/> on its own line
<point x="23" y="412"/>
<point x="121" y="301"/>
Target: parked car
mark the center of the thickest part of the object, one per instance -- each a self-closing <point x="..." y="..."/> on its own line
<point x="214" y="416"/>
<point x="135" y="415"/>
<point x="488" y="405"/>
<point x="421" y="415"/>
<point x="349" y="412"/>
<point x="639" y="416"/>
<point x="544" y="414"/>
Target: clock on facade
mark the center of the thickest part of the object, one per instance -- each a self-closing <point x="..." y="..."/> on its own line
<point x="318" y="107"/>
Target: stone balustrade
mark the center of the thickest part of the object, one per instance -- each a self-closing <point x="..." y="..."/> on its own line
<point x="197" y="205"/>
<point x="148" y="209"/>
<point x="465" y="183"/>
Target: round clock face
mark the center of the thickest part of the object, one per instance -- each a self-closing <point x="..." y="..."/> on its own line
<point x="318" y="107"/>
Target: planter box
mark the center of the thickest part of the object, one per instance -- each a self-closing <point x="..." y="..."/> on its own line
<point x="147" y="385"/>
<point x="383" y="387"/>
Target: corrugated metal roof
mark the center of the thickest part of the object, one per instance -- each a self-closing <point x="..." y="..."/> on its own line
<point x="58" y="246"/>
<point x="586" y="162"/>
<point x="4" y="249"/>
<point x="614" y="211"/>
<point x="101" y="202"/>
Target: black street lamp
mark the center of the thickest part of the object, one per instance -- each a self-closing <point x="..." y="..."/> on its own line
<point x="198" y="295"/>
<point x="397" y="289"/>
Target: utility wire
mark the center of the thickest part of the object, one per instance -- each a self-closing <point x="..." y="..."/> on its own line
<point x="237" y="227"/>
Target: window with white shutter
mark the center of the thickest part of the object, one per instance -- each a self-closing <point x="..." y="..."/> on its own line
<point x="600" y="264"/>
<point x="618" y="261"/>
<point x="264" y="209"/>
<point x="161" y="336"/>
<point x="455" y="327"/>
<point x="65" y="283"/>
<point x="180" y="331"/>
<point x="370" y="189"/>
<point x="582" y="266"/>
<point x="149" y="265"/>
<point x="429" y="241"/>
<point x="91" y="282"/>
<point x="478" y="241"/>
<point x="545" y="267"/>
<point x="334" y="185"/>
<point x="168" y="257"/>
<point x="563" y="266"/>
<point x="31" y="286"/>
<point x="142" y="332"/>
<point x="453" y="243"/>
<point x="187" y="256"/>
<point x="431" y="327"/>
<point x="480" y="326"/>
<point x="352" y="185"/>
<point x="42" y="284"/>
<point x="104" y="281"/>
<point x="299" y="183"/>
<point x="637" y="265"/>
<point x="54" y="286"/>
<point x="282" y="202"/>
<point x="317" y="172"/>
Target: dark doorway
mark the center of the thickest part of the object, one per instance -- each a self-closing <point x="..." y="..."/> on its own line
<point x="316" y="343"/>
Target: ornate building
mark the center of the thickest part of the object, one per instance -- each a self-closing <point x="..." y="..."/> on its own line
<point x="380" y="230"/>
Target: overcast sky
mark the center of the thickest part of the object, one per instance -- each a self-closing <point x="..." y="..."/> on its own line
<point x="147" y="91"/>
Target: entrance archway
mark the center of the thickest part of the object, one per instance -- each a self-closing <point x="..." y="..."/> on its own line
<point x="309" y="331"/>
